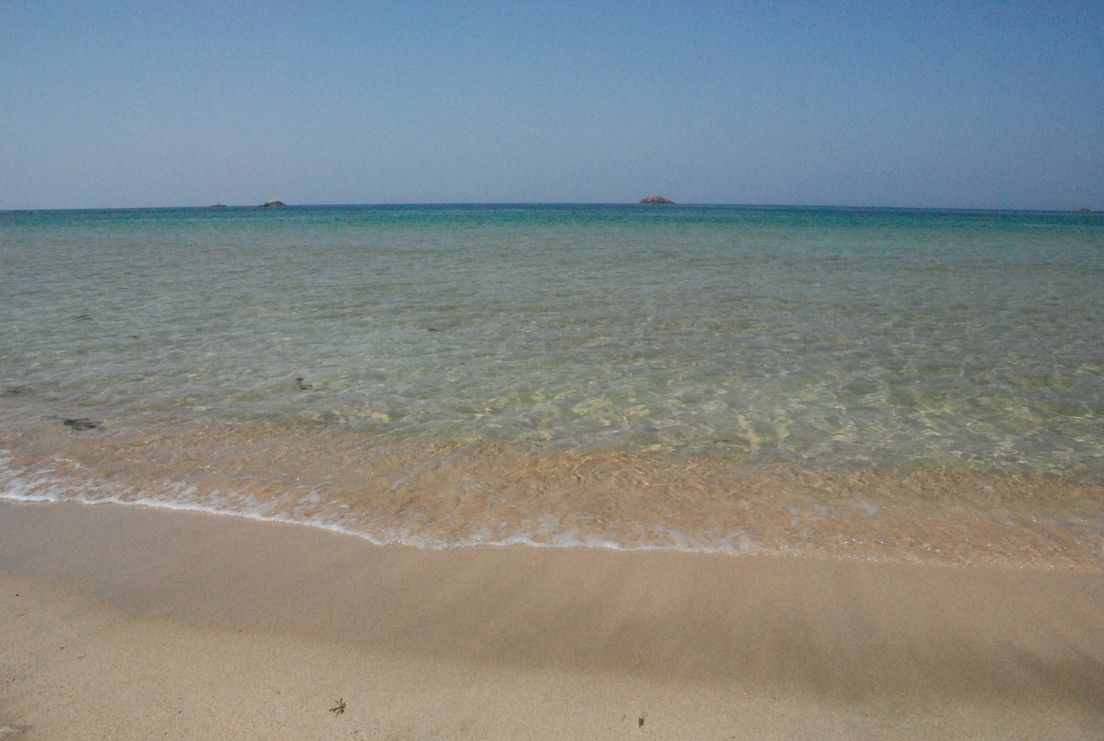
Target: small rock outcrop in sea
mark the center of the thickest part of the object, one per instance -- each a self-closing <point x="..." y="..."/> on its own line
<point x="273" y="204"/>
<point x="655" y="199"/>
<point x="218" y="205"/>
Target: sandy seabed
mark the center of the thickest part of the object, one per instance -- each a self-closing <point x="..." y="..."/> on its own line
<point x="126" y="622"/>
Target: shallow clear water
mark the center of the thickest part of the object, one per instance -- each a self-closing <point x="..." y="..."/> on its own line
<point x="873" y="383"/>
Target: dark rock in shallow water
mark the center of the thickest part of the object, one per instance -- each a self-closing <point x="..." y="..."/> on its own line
<point x="655" y="199"/>
<point x="273" y="204"/>
<point x="84" y="423"/>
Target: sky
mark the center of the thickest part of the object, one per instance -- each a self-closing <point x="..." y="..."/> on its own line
<point x="888" y="103"/>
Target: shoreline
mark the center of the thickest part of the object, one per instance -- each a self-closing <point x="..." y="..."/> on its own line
<point x="196" y="625"/>
<point x="443" y="495"/>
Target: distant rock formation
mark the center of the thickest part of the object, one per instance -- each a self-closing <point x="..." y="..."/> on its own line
<point x="218" y="205"/>
<point x="273" y="204"/>
<point x="1084" y="210"/>
<point x="655" y="199"/>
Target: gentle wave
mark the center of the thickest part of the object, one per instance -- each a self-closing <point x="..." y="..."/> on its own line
<point x="437" y="495"/>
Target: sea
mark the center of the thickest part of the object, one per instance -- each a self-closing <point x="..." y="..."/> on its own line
<point x="883" y="384"/>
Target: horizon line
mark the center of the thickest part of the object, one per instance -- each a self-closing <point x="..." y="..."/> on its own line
<point x="1081" y="209"/>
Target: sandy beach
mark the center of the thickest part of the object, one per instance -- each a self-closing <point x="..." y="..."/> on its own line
<point x="134" y="623"/>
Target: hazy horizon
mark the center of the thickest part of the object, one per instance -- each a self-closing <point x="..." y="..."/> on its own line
<point x="936" y="105"/>
<point x="779" y="206"/>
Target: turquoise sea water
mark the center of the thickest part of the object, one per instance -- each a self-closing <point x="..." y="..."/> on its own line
<point x="870" y="383"/>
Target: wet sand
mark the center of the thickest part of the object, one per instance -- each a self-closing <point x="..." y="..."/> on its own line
<point x="133" y="623"/>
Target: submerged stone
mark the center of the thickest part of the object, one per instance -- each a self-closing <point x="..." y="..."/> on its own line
<point x="84" y="423"/>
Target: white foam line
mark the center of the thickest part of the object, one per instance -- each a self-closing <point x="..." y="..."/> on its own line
<point x="565" y="540"/>
<point x="45" y="487"/>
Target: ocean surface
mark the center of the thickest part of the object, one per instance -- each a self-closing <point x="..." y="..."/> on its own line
<point x="879" y="384"/>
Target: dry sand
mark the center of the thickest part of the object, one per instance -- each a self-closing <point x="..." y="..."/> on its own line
<point x="131" y="623"/>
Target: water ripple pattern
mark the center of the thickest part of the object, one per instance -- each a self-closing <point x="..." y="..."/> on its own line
<point x="742" y="340"/>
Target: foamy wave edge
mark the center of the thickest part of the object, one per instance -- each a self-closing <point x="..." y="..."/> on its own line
<point x="17" y="485"/>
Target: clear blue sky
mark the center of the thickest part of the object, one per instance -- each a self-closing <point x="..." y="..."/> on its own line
<point x="927" y="104"/>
